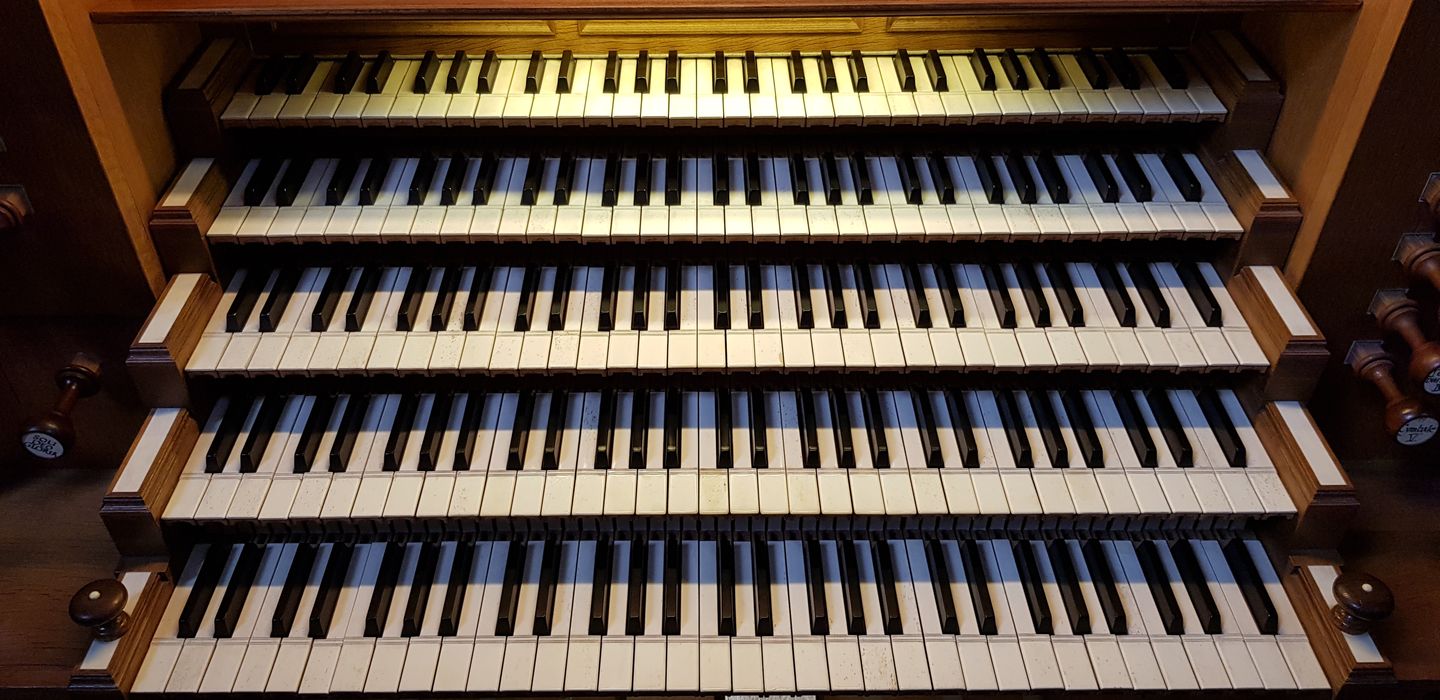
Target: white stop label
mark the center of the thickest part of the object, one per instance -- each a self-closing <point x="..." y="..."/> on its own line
<point x="1417" y="431"/>
<point x="42" y="445"/>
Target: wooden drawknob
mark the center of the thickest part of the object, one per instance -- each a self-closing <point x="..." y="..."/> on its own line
<point x="100" y="605"/>
<point x="1399" y="314"/>
<point x="1420" y="255"/>
<point x="1361" y="600"/>
<point x="50" y="435"/>
<point x="1405" y="418"/>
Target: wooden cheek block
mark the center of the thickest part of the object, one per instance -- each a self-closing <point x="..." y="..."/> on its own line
<point x="1286" y="334"/>
<point x="110" y="668"/>
<point x="1266" y="210"/>
<point x="1325" y="500"/>
<point x="185" y="213"/>
<point x="143" y="485"/>
<point x="1350" y="661"/>
<point x="159" y="353"/>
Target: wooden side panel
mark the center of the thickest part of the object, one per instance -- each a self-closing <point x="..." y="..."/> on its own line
<point x="109" y="668"/>
<point x="142" y="486"/>
<point x="158" y="356"/>
<point x="1324" y="498"/>
<point x="1289" y="339"/>
<point x="1308" y="586"/>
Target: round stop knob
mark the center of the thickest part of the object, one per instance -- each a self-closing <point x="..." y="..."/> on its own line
<point x="51" y="434"/>
<point x="1361" y="600"/>
<point x="100" y="606"/>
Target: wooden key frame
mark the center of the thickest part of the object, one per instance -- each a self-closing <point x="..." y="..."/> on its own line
<point x="110" y="667"/>
<point x="1286" y="333"/>
<point x="1324" y="496"/>
<point x="1266" y="209"/>
<point x="1351" y="662"/>
<point x="137" y="496"/>
<point x="186" y="211"/>
<point x="167" y="339"/>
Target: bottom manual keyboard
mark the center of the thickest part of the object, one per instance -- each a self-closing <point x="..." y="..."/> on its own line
<point x="660" y="612"/>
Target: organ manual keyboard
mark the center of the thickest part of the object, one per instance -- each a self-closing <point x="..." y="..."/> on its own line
<point x="676" y="360"/>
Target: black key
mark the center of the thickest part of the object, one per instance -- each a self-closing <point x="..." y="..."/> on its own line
<point x="875" y="429"/>
<point x="909" y="178"/>
<point x="525" y="310"/>
<point x="1100" y="174"/>
<point x="439" y="422"/>
<point x="419" y="596"/>
<point x="534" y="72"/>
<point x="400" y="431"/>
<point x="639" y="428"/>
<point x="379" y="74"/>
<point x="253" y="449"/>
<point x="295" y="579"/>
<point x="1252" y="587"/>
<point x="963" y="428"/>
<point x="721" y="278"/>
<point x="316" y="424"/>
<point x="459" y="70"/>
<point x="940" y="586"/>
<point x="672" y="72"/>
<point x="830" y="179"/>
<point x="555" y="429"/>
<point x="1033" y="295"/>
<point x="1068" y="584"/>
<point x="560" y="297"/>
<point x="724" y="430"/>
<point x="324" y="310"/>
<point x="454" y="602"/>
<point x="407" y="315"/>
<point x="1045" y="69"/>
<point x="978" y="581"/>
<point x="1049" y="428"/>
<point x="227" y="433"/>
<point x="1200" y="294"/>
<point x="834" y="295"/>
<point x="642" y="72"/>
<point x="374" y="179"/>
<point x="426" y="74"/>
<point x="752" y="179"/>
<point x="454" y="178"/>
<point x="859" y="80"/>
<point x="1123" y="68"/>
<point x="279" y="298"/>
<point x="635" y="595"/>
<point x="272" y="71"/>
<point x="291" y="182"/>
<point x="641" y="196"/>
<point x="384" y="592"/>
<point x="341" y="181"/>
<point x="809" y="434"/>
<point x="323" y="612"/>
<point x="485" y="179"/>
<point x="1221" y="426"/>
<point x="866" y="289"/>
<point x="301" y="71"/>
<point x="423" y="179"/>
<point x="1170" y="428"/>
<point x="612" y="72"/>
<point x="760" y="559"/>
<point x="940" y="178"/>
<point x="720" y="179"/>
<point x="260" y="180"/>
<point x="242" y="578"/>
<point x="950" y="294"/>
<point x="815" y="587"/>
<point x="884" y="563"/>
<point x="1194" y="580"/>
<point x="1115" y="292"/>
<point x="609" y="290"/>
<point x="725" y="565"/>
<point x="565" y="77"/>
<point x="999" y="291"/>
<point x="1182" y="175"/>
<point x="929" y="436"/>
<point x="1077" y="416"/>
<point x="476" y="297"/>
<point x="751" y="73"/>
<point x="939" y="80"/>
<point x="469" y="430"/>
<point x="850" y="586"/>
<point x="1020" y="177"/>
<point x="840" y="427"/>
<point x="804" y="303"/>
<point x="348" y="73"/>
<point x="670" y="588"/>
<point x="1064" y="289"/>
<point x="489" y="67"/>
<point x="719" y="83"/>
<point x="1104" y="582"/>
<point x="759" y="429"/>
<point x="983" y="71"/>
<point x="444" y="299"/>
<point x="1159" y="586"/>
<point x="640" y="302"/>
<point x="1135" y="428"/>
<point x="1134" y="176"/>
<point x="1014" y="72"/>
<point x="1150" y="294"/>
<point x="860" y="174"/>
<point x="520" y="433"/>
<point x="510" y="589"/>
<point x="545" y="591"/>
<point x="828" y="83"/>
<point x="1030" y="583"/>
<point x="1171" y="68"/>
<point x="605" y="441"/>
<point x="1092" y="68"/>
<point x="904" y="69"/>
<point x="600" y="586"/>
<point x="534" y="176"/>
<point x="343" y="446"/>
<point x="1054" y="182"/>
<point x="610" y="192"/>
<point x="1014" y="429"/>
<point x="671" y="437"/>
<point x="754" y="285"/>
<point x="672" y="297"/>
<point x="796" y="68"/>
<point x="989" y="178"/>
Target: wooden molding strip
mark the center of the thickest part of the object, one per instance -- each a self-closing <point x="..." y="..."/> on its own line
<point x="1349" y="660"/>
<point x="185" y="212"/>
<point x="1266" y="209"/>
<point x="1286" y="334"/>
<point x="160" y="352"/>
<point x="143" y="485"/>
<point x="110" y="668"/>
<point x="1324" y="497"/>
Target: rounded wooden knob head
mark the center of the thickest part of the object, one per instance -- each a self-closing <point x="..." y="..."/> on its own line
<point x="100" y="605"/>
<point x="83" y="373"/>
<point x="1361" y="600"/>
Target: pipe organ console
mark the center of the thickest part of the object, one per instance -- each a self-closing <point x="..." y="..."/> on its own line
<point x="513" y="350"/>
